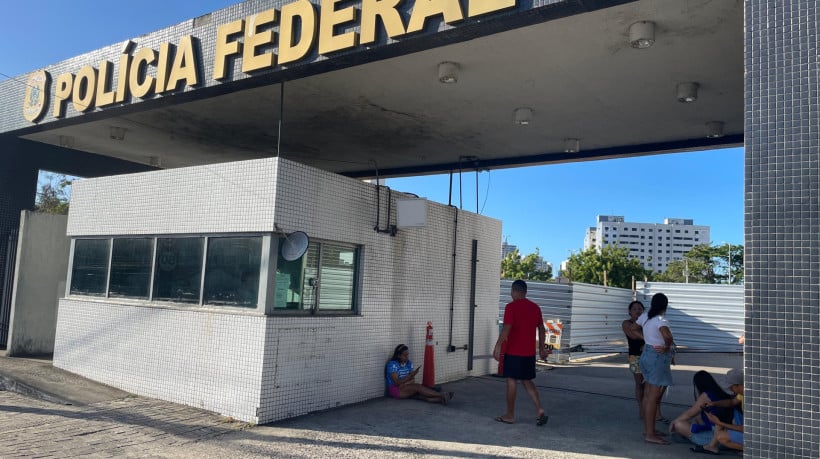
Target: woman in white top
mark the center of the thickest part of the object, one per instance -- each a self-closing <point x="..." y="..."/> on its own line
<point x="656" y="361"/>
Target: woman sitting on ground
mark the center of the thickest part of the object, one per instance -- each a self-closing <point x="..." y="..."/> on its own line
<point x="707" y="392"/>
<point x="399" y="376"/>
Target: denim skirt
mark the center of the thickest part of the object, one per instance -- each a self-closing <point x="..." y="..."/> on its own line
<point x="656" y="368"/>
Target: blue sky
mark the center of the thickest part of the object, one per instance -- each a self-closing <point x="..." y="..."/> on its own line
<point x="548" y="207"/>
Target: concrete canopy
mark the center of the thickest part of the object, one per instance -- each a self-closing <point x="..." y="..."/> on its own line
<point x="391" y="116"/>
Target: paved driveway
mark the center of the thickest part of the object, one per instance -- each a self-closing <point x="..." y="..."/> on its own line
<point x="592" y="415"/>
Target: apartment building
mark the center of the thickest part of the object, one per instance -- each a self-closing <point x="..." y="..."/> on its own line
<point x="655" y="245"/>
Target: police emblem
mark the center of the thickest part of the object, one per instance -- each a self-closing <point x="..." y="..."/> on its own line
<point x="34" y="104"/>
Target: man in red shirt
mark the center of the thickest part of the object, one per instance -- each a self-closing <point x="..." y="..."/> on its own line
<point x="521" y="318"/>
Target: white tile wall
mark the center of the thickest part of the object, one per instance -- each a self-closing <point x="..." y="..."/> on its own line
<point x="303" y="363"/>
<point x="406" y="282"/>
<point x="227" y="197"/>
<point x="209" y="360"/>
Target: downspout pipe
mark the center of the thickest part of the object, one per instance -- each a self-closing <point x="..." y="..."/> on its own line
<point x="450" y="347"/>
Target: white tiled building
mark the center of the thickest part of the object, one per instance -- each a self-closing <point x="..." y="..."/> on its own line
<point x="178" y="288"/>
<point x="653" y="244"/>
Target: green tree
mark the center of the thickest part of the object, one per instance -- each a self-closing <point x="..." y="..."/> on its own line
<point x="692" y="270"/>
<point x="53" y="194"/>
<point x="735" y="254"/>
<point x="706" y="264"/>
<point x="590" y="265"/>
<point x="513" y="266"/>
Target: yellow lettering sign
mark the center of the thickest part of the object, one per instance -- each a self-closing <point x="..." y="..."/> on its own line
<point x="294" y="32"/>
<point x="184" y="66"/>
<point x="479" y="7"/>
<point x="329" y="18"/>
<point x="84" y="89"/>
<point x="62" y="93"/>
<point x="162" y="67"/>
<point x="224" y="47"/>
<point x="388" y="12"/>
<point x="104" y="95"/>
<point x="255" y="39"/>
<point x="139" y="82"/>
<point x="423" y="9"/>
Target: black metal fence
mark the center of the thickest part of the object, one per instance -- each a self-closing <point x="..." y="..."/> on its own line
<point x="10" y="240"/>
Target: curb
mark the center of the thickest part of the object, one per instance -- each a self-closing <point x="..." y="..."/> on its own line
<point x="12" y="385"/>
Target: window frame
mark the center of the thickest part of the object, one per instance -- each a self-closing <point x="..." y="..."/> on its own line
<point x="315" y="310"/>
<point x="267" y="276"/>
<point x="151" y="301"/>
<point x="70" y="274"/>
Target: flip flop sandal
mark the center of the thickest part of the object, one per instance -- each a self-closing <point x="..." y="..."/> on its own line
<point x="503" y="421"/>
<point x="701" y="449"/>
<point x="542" y="420"/>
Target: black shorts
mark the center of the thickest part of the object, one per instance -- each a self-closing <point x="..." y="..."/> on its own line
<point x="517" y="367"/>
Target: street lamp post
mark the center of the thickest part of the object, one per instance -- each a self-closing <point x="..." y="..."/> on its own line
<point x="729" y="256"/>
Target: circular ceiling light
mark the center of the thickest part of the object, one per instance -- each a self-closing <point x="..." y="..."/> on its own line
<point x="522" y="116"/>
<point x="687" y="92"/>
<point x="714" y="129"/>
<point x="642" y="34"/>
<point x="448" y="72"/>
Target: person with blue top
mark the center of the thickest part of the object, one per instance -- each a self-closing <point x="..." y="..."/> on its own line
<point x="708" y="395"/>
<point x="730" y="434"/>
<point x="399" y="376"/>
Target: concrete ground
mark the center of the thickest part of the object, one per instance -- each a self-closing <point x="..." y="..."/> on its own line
<point x="590" y="402"/>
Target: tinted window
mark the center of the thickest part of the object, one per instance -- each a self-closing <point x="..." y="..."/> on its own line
<point x="337" y="277"/>
<point x="324" y="278"/>
<point x="178" y="269"/>
<point x="131" y="268"/>
<point x="232" y="271"/>
<point x="90" y="267"/>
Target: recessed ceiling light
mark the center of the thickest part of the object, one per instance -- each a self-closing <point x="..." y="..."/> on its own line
<point x="448" y="72"/>
<point x="522" y="116"/>
<point x="687" y="92"/>
<point x="572" y="145"/>
<point x="642" y="34"/>
<point x="714" y="129"/>
<point x="116" y="132"/>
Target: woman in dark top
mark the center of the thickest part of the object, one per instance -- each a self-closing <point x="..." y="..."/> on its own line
<point x="634" y="338"/>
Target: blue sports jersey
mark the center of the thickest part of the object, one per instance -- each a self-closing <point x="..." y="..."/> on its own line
<point x="394" y="366"/>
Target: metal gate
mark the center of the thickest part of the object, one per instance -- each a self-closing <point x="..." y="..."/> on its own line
<point x="8" y="285"/>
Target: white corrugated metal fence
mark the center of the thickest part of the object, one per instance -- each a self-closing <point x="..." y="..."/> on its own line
<point x="703" y="317"/>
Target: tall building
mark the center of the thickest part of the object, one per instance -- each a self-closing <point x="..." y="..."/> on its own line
<point x="653" y="244"/>
<point x="542" y="265"/>
<point x="507" y="248"/>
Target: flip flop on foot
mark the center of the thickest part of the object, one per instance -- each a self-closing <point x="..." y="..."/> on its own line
<point x="504" y="421"/>
<point x="701" y="449"/>
<point x="542" y="420"/>
<point x="446" y="397"/>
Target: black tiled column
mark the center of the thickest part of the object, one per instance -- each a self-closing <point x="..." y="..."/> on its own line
<point x="18" y="185"/>
<point x="782" y="223"/>
<point x="20" y="164"/>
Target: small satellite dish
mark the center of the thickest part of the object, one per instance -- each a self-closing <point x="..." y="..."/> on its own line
<point x="295" y="245"/>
